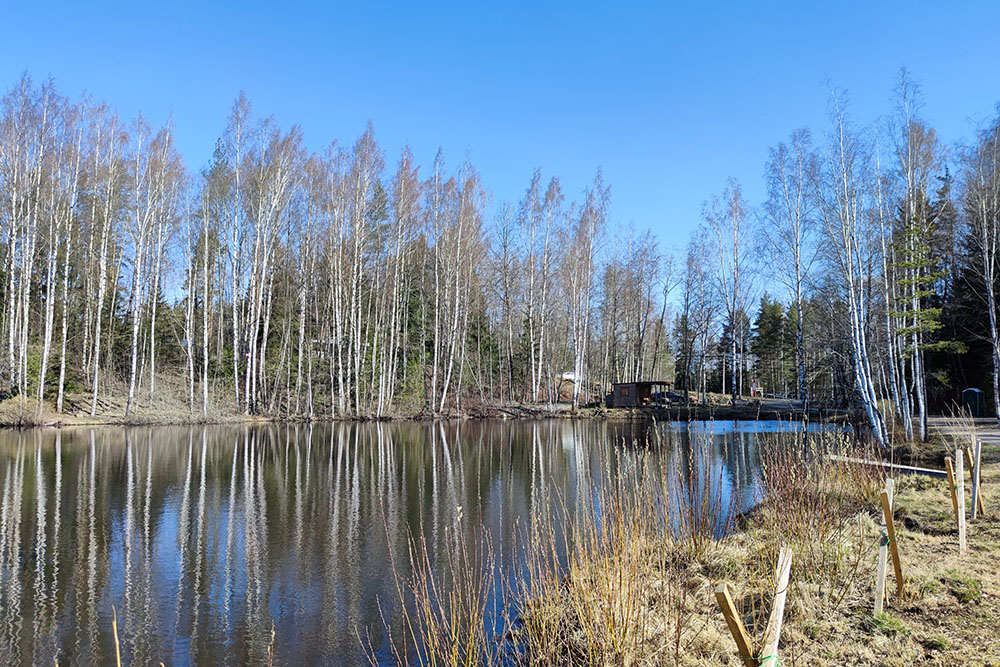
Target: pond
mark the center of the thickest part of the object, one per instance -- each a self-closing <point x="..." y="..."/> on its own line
<point x="223" y="544"/>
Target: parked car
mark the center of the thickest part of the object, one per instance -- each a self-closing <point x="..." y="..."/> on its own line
<point x="668" y="397"/>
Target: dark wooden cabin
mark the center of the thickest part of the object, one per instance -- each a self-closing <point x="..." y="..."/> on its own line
<point x="636" y="394"/>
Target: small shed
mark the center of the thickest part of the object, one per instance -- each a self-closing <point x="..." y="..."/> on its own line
<point x="974" y="401"/>
<point x="637" y="394"/>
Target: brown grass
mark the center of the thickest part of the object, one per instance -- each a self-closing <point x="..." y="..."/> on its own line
<point x="631" y="588"/>
<point x="168" y="405"/>
<point x="443" y="617"/>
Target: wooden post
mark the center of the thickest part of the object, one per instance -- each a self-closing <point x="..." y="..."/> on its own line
<point x="890" y="529"/>
<point x="960" y="497"/>
<point x="773" y="632"/>
<point x="883" y="554"/>
<point x="976" y="500"/>
<point x="735" y="624"/>
<point x="883" y="559"/>
<point x="953" y="485"/>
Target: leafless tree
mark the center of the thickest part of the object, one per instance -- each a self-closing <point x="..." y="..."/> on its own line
<point x="726" y="217"/>
<point x="789" y="224"/>
<point x="842" y="210"/>
<point x="981" y="175"/>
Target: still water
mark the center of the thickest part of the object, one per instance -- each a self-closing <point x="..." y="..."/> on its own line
<point x="216" y="545"/>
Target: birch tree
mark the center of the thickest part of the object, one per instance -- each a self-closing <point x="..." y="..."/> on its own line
<point x="236" y="140"/>
<point x="843" y="213"/>
<point x="154" y="206"/>
<point x="580" y="267"/>
<point x="726" y="217"/>
<point x="63" y="198"/>
<point x="791" y="174"/>
<point x="108" y="174"/>
<point x="981" y="175"/>
<point x="918" y="161"/>
<point x="26" y="140"/>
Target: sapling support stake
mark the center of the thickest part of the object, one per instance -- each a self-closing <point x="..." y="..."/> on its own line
<point x="883" y="554"/>
<point x="890" y="529"/>
<point x="769" y="655"/>
<point x="980" y="501"/>
<point x="773" y="632"/>
<point x="960" y="498"/>
<point x="977" y="507"/>
<point x="739" y="632"/>
<point x="953" y="486"/>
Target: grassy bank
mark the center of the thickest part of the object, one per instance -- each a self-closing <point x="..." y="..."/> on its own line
<point x="25" y="413"/>
<point x="638" y="588"/>
<point x="169" y="408"/>
<point x="171" y="404"/>
<point x="947" y="614"/>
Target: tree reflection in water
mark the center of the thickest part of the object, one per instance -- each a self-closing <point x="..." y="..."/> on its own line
<point x="206" y="538"/>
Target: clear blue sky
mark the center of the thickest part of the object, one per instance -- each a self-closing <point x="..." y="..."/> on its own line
<point x="670" y="98"/>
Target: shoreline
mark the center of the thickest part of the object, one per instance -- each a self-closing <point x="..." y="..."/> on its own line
<point x="664" y="608"/>
<point x="13" y="416"/>
<point x="645" y="594"/>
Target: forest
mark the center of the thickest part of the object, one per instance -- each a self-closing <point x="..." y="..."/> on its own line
<point x="342" y="282"/>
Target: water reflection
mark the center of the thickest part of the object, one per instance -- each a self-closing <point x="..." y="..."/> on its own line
<point x="207" y="539"/>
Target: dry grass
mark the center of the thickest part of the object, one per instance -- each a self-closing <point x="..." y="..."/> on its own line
<point x="657" y="578"/>
<point x="444" y="616"/>
<point x="168" y="405"/>
<point x="827" y="514"/>
<point x="958" y="429"/>
<point x="629" y="587"/>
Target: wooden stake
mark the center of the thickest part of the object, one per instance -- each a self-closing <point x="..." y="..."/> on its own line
<point x="883" y="559"/>
<point x="735" y="624"/>
<point x="883" y="555"/>
<point x="977" y="500"/>
<point x="960" y="497"/>
<point x="773" y="632"/>
<point x="952" y="485"/>
<point x="890" y="529"/>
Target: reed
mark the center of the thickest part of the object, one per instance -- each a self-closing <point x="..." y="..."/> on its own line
<point x="628" y="576"/>
<point x="620" y="582"/>
<point x="958" y="430"/>
<point x="443" y="605"/>
<point x="114" y="628"/>
<point x="813" y="504"/>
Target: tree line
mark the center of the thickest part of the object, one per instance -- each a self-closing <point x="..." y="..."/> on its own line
<point x="340" y="282"/>
<point x="884" y="242"/>
<point x="281" y="281"/>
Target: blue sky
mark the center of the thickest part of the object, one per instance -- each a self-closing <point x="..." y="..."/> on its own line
<point x="670" y="99"/>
